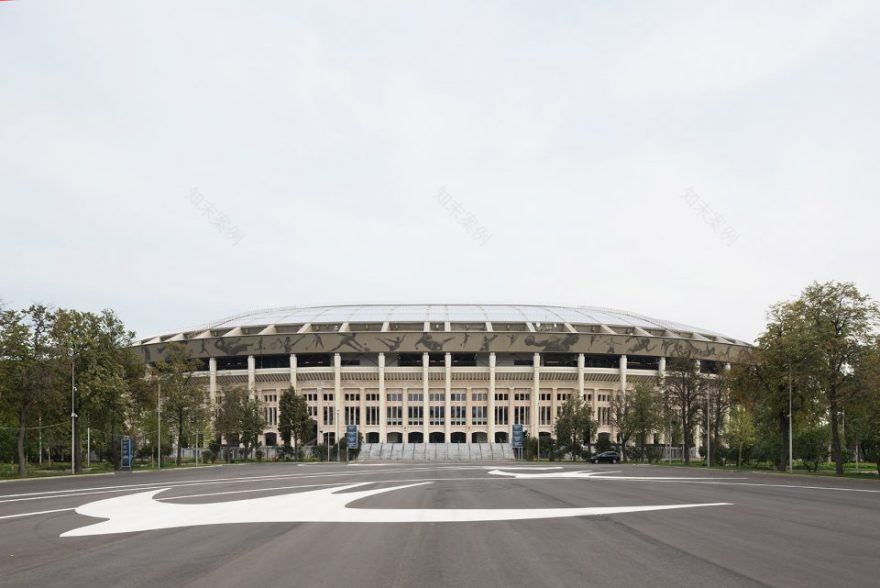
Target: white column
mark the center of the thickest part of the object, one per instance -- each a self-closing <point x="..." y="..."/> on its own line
<point x="293" y="371"/>
<point x="698" y="430"/>
<point x="511" y="394"/>
<point x="447" y="396"/>
<point x="490" y="437"/>
<point x="622" y="392"/>
<point x="383" y="410"/>
<point x="405" y="410"/>
<point x="536" y="396"/>
<point x="727" y="367"/>
<point x="581" y="376"/>
<point x="252" y="376"/>
<point x="362" y="410"/>
<point x="426" y="363"/>
<point x="322" y="426"/>
<point x="661" y="374"/>
<point x="337" y="395"/>
<point x="212" y="381"/>
<point x="468" y="420"/>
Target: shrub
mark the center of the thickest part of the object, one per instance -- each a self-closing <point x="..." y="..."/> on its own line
<point x="811" y="446"/>
<point x="633" y="452"/>
<point x="603" y="443"/>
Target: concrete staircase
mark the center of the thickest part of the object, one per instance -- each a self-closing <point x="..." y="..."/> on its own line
<point x="379" y="452"/>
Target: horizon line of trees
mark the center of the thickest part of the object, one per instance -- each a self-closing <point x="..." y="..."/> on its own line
<point x="65" y="372"/>
<point x="822" y="349"/>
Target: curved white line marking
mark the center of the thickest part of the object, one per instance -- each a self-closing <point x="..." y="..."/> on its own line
<point x="601" y="475"/>
<point x="31" y="514"/>
<point x="531" y="468"/>
<point x="139" y="512"/>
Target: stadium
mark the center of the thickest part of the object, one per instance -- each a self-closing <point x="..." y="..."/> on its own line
<point x="440" y="373"/>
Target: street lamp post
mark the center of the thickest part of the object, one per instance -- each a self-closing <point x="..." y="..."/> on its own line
<point x="708" y="433"/>
<point x="159" y="424"/>
<point x="669" y="439"/>
<point x="789" y="420"/>
<point x="337" y="435"/>
<point x="538" y="436"/>
<point x="72" y="410"/>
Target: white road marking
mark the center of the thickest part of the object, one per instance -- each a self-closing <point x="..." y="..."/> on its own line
<point x="586" y="474"/>
<point x="140" y="512"/>
<point x="535" y="468"/>
<point x="793" y="486"/>
<point x="30" y="514"/>
<point x="50" y="494"/>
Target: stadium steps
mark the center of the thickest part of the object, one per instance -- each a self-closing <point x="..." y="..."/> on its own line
<point x="378" y="452"/>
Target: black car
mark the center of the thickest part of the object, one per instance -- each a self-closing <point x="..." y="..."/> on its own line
<point x="606" y="457"/>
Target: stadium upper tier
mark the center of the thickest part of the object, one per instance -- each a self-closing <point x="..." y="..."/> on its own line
<point x="455" y="328"/>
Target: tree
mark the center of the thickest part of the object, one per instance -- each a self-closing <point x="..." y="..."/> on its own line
<point x="685" y="387"/>
<point x="740" y="430"/>
<point x="763" y="383"/>
<point x="620" y="417"/>
<point x="252" y="423"/>
<point x="574" y="426"/>
<point x="183" y="395"/>
<point x="638" y="414"/>
<point x="646" y="413"/>
<point x="294" y="422"/>
<point x="716" y="407"/>
<point x="26" y="370"/>
<point x="831" y="323"/>
<point x="863" y="404"/>
<point x="97" y="348"/>
<point x="228" y="417"/>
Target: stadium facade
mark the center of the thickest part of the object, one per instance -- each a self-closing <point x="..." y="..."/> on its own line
<point x="435" y="373"/>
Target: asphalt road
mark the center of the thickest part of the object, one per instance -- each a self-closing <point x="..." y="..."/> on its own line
<point x="773" y="530"/>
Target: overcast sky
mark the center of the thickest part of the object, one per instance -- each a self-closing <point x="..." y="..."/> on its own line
<point x="180" y="162"/>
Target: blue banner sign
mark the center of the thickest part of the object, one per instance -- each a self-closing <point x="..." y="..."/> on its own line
<point x="351" y="436"/>
<point x="517" y="437"/>
<point x="126" y="453"/>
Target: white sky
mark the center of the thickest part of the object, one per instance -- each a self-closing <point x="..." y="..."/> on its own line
<point x="323" y="132"/>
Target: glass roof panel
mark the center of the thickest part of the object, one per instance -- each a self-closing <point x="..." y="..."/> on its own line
<point x="380" y="313"/>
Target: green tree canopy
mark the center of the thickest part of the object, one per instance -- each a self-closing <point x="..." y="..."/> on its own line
<point x="294" y="422"/>
<point x="574" y="426"/>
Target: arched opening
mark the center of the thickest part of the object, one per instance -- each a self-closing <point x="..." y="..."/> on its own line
<point x="458" y="437"/>
<point x="501" y="437"/>
<point x="436" y="437"/>
<point x="271" y="439"/>
<point x="479" y="438"/>
<point x="544" y="435"/>
<point x="395" y="437"/>
<point x="415" y="437"/>
<point x="372" y="437"/>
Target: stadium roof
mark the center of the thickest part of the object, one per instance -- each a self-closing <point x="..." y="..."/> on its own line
<point x="453" y="313"/>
